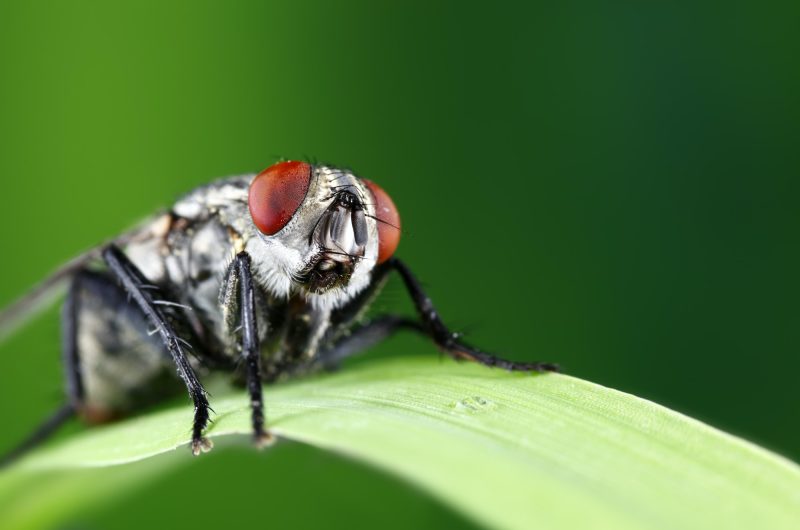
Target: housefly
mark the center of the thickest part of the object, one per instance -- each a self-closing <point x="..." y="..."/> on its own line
<point x="263" y="276"/>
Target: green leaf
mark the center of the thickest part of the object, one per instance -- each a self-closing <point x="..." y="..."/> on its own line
<point x="509" y="450"/>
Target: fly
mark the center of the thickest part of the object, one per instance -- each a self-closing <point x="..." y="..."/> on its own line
<point x="261" y="276"/>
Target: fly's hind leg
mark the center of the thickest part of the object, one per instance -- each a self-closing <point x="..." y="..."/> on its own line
<point x="112" y="366"/>
<point x="40" y="435"/>
<point x="73" y="379"/>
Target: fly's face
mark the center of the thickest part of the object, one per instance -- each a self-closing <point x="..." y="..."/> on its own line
<point x="320" y="230"/>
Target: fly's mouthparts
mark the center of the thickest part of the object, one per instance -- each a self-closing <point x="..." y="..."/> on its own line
<point x="326" y="270"/>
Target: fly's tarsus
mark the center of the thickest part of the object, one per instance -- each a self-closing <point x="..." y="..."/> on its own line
<point x="464" y="352"/>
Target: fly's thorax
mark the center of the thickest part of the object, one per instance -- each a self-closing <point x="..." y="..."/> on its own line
<point x="328" y="246"/>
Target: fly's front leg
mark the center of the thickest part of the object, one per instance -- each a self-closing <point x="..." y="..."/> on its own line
<point x="446" y="339"/>
<point x="135" y="284"/>
<point x="239" y="281"/>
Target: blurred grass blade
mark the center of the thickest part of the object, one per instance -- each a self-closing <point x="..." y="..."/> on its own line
<point x="510" y="450"/>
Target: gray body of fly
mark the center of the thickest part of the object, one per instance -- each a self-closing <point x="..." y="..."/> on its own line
<point x="264" y="276"/>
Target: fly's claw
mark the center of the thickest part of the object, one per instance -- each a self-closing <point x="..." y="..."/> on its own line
<point x="516" y="366"/>
<point x="461" y="351"/>
<point x="263" y="439"/>
<point x="535" y="367"/>
<point x="201" y="445"/>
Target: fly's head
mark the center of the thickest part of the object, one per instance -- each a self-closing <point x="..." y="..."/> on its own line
<point x="320" y="231"/>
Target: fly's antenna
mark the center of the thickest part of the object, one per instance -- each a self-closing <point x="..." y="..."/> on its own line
<point x="42" y="433"/>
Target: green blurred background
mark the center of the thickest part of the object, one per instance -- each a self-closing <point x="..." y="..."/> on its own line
<point x="613" y="187"/>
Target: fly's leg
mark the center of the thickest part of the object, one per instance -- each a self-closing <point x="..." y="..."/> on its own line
<point x="73" y="380"/>
<point x="448" y="341"/>
<point x="134" y="283"/>
<point x="363" y="338"/>
<point x="250" y="349"/>
<point x="239" y="293"/>
<point x="111" y="365"/>
<point x="42" y="433"/>
<point x="343" y="345"/>
<point x="69" y="345"/>
<point x="74" y="383"/>
<point x="381" y="328"/>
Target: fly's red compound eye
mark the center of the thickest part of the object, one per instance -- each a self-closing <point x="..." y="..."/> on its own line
<point x="388" y="221"/>
<point x="276" y="193"/>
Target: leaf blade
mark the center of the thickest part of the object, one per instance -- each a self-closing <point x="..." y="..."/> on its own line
<point x="509" y="450"/>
